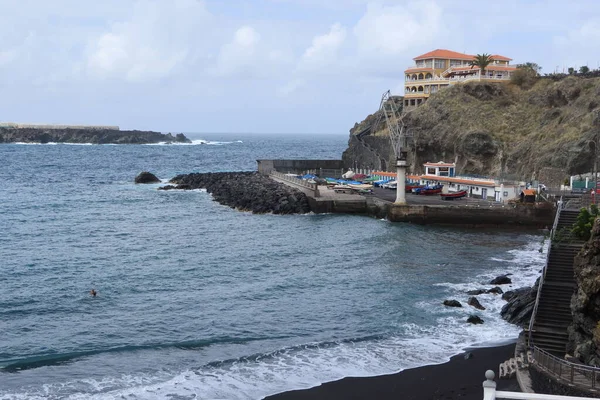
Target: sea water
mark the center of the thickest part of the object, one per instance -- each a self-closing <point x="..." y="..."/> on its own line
<point x="198" y="300"/>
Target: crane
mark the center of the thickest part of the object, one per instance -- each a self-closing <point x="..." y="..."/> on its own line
<point x="399" y="136"/>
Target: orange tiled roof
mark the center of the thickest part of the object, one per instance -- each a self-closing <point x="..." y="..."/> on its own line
<point x="500" y="58"/>
<point x="443" y="53"/>
<point x="458" y="180"/>
<point x="529" y="192"/>
<point x="418" y="69"/>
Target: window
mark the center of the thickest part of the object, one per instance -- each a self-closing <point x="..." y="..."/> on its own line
<point x="430" y="171"/>
<point x="420" y="63"/>
<point x="455" y="63"/>
<point x="440" y="64"/>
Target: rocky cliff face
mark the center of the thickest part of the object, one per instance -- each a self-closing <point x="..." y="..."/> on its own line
<point x="584" y="333"/>
<point x="495" y="129"/>
<point x="95" y="136"/>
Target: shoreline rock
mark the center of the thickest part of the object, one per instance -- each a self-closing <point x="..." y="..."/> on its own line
<point x="245" y="191"/>
<point x="94" y="136"/>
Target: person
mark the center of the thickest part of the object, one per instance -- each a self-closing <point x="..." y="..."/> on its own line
<point x="93" y="292"/>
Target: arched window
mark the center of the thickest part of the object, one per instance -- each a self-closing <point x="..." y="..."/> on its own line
<point x="421" y="76"/>
<point x="428" y="76"/>
<point x="420" y="90"/>
<point x="413" y="89"/>
<point x="414" y="77"/>
<point x="407" y="89"/>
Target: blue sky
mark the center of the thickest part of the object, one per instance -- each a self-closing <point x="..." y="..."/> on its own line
<point x="272" y="66"/>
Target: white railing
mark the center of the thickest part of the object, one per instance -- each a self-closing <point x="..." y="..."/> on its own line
<point x="294" y="180"/>
<point x="459" y="78"/>
<point x="559" y="207"/>
<point x="490" y="392"/>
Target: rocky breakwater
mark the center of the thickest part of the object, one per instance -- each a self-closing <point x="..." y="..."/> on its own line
<point x="94" y="136"/>
<point x="245" y="191"/>
<point x="584" y="333"/>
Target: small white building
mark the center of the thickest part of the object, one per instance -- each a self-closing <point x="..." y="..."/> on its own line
<point x="476" y="187"/>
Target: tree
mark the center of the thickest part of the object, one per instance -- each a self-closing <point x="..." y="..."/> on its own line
<point x="531" y="66"/>
<point x="584" y="69"/>
<point x="585" y="221"/>
<point x="526" y="75"/>
<point x="571" y="70"/>
<point x="481" y="61"/>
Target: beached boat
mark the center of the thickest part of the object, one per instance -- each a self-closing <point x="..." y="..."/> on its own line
<point x="429" y="190"/>
<point x="408" y="188"/>
<point x="452" y="196"/>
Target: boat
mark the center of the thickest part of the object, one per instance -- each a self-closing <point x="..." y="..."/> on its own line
<point x="452" y="196"/>
<point x="429" y="190"/>
<point x="408" y="188"/>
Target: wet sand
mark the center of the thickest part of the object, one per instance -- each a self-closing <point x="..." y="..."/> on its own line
<point x="460" y="378"/>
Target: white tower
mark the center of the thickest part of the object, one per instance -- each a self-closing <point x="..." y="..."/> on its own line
<point x="399" y="137"/>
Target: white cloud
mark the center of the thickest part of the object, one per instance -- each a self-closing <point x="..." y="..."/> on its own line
<point x="238" y="57"/>
<point x="159" y="37"/>
<point x="324" y="49"/>
<point x="579" y="46"/>
<point x="394" y="30"/>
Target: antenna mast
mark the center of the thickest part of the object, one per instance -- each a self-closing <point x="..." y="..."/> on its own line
<point x="399" y="136"/>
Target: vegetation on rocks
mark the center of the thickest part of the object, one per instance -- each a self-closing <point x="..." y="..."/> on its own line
<point x="585" y="221"/>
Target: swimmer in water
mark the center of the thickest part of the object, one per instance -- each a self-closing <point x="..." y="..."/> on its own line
<point x="93" y="292"/>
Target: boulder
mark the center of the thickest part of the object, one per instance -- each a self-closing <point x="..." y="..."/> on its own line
<point x="501" y="280"/>
<point x="146" y="177"/>
<point x="452" y="303"/>
<point x="476" y="292"/>
<point x="520" y="305"/>
<point x="473" y="302"/>
<point x="495" y="290"/>
<point x="474" y="319"/>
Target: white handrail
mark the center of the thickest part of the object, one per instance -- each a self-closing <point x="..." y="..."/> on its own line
<point x="490" y="392"/>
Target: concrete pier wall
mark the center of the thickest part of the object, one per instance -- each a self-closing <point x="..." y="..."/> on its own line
<point x="265" y="167"/>
<point x="522" y="215"/>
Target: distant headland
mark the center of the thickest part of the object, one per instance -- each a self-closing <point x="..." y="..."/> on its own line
<point x="94" y="134"/>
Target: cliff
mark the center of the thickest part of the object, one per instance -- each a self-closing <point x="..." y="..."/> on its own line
<point x="543" y="132"/>
<point x="95" y="136"/>
<point x="584" y="333"/>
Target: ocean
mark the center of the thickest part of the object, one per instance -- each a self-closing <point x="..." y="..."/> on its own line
<point x="200" y="301"/>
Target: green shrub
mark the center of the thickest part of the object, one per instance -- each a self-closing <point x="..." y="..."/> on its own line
<point x="585" y="221"/>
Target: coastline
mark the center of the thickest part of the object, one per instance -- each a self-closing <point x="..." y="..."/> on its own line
<point x="459" y="378"/>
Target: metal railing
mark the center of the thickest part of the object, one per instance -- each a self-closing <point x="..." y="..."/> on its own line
<point x="559" y="207"/>
<point x="490" y="392"/>
<point x="294" y="180"/>
<point x="579" y="375"/>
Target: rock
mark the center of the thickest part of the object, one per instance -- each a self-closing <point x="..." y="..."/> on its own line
<point x="474" y="319"/>
<point x="473" y="302"/>
<point x="495" y="290"/>
<point x="168" y="187"/>
<point x="452" y="303"/>
<point x="146" y="177"/>
<point x="476" y="292"/>
<point x="501" y="280"/>
<point x="584" y="333"/>
<point x="247" y="191"/>
<point x="98" y="135"/>
<point x="468" y="356"/>
<point x="520" y="305"/>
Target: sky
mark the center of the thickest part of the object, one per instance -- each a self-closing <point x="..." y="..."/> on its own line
<point x="257" y="66"/>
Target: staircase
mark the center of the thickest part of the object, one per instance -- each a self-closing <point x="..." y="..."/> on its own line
<point x="552" y="315"/>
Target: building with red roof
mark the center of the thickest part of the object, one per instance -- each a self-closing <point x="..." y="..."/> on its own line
<point x="440" y="68"/>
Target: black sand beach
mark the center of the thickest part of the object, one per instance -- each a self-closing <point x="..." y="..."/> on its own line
<point x="460" y="378"/>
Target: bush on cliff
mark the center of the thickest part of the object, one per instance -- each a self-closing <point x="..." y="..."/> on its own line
<point x="585" y="221"/>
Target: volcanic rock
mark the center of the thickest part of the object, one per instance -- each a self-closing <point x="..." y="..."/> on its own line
<point x="474" y="319"/>
<point x="473" y="302"/>
<point x="146" y="177"/>
<point x="452" y="303"/>
<point x="501" y="280"/>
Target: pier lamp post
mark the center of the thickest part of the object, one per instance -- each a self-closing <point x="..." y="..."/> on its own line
<point x="401" y="165"/>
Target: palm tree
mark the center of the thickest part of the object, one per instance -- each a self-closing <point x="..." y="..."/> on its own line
<point x="481" y="61"/>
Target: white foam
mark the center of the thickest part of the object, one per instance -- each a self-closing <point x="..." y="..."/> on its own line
<point x="195" y="142"/>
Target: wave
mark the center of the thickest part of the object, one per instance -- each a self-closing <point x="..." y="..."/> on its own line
<point x="195" y="142"/>
<point x="307" y="365"/>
